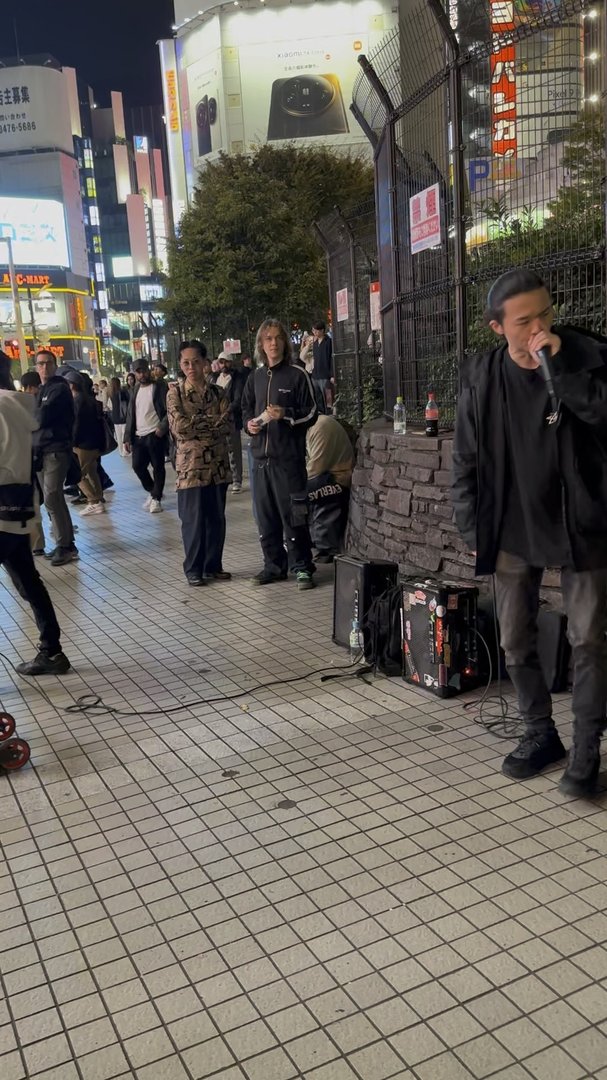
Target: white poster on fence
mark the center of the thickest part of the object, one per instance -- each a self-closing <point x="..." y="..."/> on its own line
<point x="424" y="219"/>
<point x="341" y="297"/>
<point x="375" y="305"/>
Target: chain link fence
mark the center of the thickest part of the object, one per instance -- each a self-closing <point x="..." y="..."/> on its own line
<point x="486" y="119"/>
<point x="349" y="241"/>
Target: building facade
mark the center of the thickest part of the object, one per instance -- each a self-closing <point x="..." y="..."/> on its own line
<point x="236" y="76"/>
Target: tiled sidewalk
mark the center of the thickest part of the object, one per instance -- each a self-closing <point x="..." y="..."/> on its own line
<point x="330" y="881"/>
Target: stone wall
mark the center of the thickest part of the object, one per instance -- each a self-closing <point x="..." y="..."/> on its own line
<point x="401" y="509"/>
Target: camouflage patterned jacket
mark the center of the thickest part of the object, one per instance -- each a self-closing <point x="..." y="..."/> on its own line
<point x="199" y="421"/>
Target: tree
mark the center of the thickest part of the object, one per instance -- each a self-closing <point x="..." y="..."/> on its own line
<point x="245" y="247"/>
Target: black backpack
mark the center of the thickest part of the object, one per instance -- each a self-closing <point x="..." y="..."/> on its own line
<point x="384" y="626"/>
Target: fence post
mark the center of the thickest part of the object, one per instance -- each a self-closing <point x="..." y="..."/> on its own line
<point x="459" y="204"/>
<point x="354" y="279"/>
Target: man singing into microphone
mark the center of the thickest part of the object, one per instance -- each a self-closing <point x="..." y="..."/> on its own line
<point x="530" y="491"/>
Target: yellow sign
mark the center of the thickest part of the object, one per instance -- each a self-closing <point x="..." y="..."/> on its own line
<point x="171" y="79"/>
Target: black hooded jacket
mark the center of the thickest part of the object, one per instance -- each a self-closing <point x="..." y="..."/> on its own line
<point x="579" y="373"/>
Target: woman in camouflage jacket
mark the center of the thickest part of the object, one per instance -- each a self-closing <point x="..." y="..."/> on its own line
<point x="200" y="423"/>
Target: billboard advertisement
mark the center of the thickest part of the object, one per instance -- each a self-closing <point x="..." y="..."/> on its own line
<point x="247" y="77"/>
<point x="34" y="110"/>
<point x="299" y="89"/>
<point x="36" y="228"/>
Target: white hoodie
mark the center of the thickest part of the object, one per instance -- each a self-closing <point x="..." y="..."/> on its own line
<point x="16" y="426"/>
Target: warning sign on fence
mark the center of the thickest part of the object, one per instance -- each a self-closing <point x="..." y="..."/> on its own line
<point x="424" y="217"/>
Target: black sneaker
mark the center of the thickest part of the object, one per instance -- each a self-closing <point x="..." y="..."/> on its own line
<point x="79" y="500"/>
<point x="195" y="580"/>
<point x="533" y="753"/>
<point x="581" y="774"/>
<point x="266" y="577"/>
<point x="62" y="556"/>
<point x="43" y="664"/>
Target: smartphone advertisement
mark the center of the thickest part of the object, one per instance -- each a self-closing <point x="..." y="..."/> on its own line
<point x="300" y="89"/>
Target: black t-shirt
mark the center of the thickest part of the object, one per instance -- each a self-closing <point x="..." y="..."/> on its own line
<point x="533" y="527"/>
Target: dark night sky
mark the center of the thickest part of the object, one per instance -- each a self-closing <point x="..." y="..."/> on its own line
<point x="112" y="43"/>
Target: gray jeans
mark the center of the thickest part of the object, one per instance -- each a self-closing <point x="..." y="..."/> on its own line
<point x="51" y="479"/>
<point x="585" y="603"/>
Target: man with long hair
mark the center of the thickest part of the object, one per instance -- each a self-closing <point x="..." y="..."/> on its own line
<point x="17" y="515"/>
<point x="277" y="409"/>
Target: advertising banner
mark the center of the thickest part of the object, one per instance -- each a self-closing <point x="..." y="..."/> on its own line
<point x="424" y="218"/>
<point x="34" y="110"/>
<point x="36" y="228"/>
<point x="300" y="88"/>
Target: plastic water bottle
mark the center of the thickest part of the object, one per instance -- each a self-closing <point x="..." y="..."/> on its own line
<point x="400" y="417"/>
<point x="357" y="642"/>
<point x="431" y="416"/>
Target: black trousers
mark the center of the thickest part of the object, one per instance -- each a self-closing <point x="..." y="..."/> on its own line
<point x="585" y="602"/>
<point x="328" y="513"/>
<point x="150" y="450"/>
<point x="16" y="557"/>
<point x="202" y="514"/>
<point x="281" y="511"/>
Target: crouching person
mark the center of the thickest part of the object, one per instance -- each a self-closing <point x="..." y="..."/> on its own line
<point x="329" y="465"/>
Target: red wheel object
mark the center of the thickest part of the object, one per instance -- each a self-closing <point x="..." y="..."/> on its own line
<point x="7" y="725"/>
<point x="14" y="754"/>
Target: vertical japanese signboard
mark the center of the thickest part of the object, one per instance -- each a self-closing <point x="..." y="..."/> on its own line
<point x="503" y="87"/>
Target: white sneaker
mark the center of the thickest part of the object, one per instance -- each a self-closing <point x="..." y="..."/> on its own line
<point x="147" y="503"/>
<point x="93" y="508"/>
<point x="236" y="488"/>
<point x="155" y="506"/>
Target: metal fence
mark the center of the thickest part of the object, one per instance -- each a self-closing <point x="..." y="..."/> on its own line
<point x="487" y="122"/>
<point x="349" y="241"/>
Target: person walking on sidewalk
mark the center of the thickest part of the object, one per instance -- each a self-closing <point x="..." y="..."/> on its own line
<point x="530" y="491"/>
<point x="199" y="421"/>
<point x="53" y="453"/>
<point x="118" y="405"/>
<point x="146" y="433"/>
<point x="322" y="371"/>
<point x="88" y="441"/>
<point x="17" y="511"/>
<point x="277" y="408"/>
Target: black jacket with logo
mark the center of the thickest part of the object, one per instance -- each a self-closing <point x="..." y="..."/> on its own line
<point x="480" y="452"/>
<point x="55" y="416"/>
<point x="290" y="387"/>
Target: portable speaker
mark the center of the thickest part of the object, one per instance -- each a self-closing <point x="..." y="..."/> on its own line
<point x="357" y="584"/>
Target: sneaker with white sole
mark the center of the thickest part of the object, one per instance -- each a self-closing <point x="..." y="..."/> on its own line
<point x="93" y="508"/>
<point x="147" y="503"/>
<point x="236" y="489"/>
<point x="155" y="506"/>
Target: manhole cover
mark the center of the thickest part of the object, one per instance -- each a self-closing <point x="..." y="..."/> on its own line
<point x="435" y="727"/>
<point x="286" y="804"/>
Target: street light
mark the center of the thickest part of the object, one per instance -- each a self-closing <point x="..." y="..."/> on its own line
<point x="15" y="293"/>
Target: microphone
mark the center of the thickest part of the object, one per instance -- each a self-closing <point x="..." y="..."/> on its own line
<point x="544" y="356"/>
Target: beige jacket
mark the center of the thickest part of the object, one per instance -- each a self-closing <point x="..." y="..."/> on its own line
<point x="328" y="449"/>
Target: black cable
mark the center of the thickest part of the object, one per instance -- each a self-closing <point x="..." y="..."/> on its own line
<point x="501" y="724"/>
<point x="92" y="703"/>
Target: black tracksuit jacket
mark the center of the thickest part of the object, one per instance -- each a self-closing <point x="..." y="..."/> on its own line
<point x="289" y="386"/>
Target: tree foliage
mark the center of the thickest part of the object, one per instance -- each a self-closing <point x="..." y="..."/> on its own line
<point x="246" y="248"/>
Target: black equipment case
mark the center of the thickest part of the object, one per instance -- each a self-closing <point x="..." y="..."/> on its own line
<point x="440" y="644"/>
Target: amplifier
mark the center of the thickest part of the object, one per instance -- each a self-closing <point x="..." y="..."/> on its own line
<point x="358" y="582"/>
<point x="440" y="646"/>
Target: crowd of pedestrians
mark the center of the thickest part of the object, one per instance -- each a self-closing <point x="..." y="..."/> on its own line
<point x="53" y="436"/>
